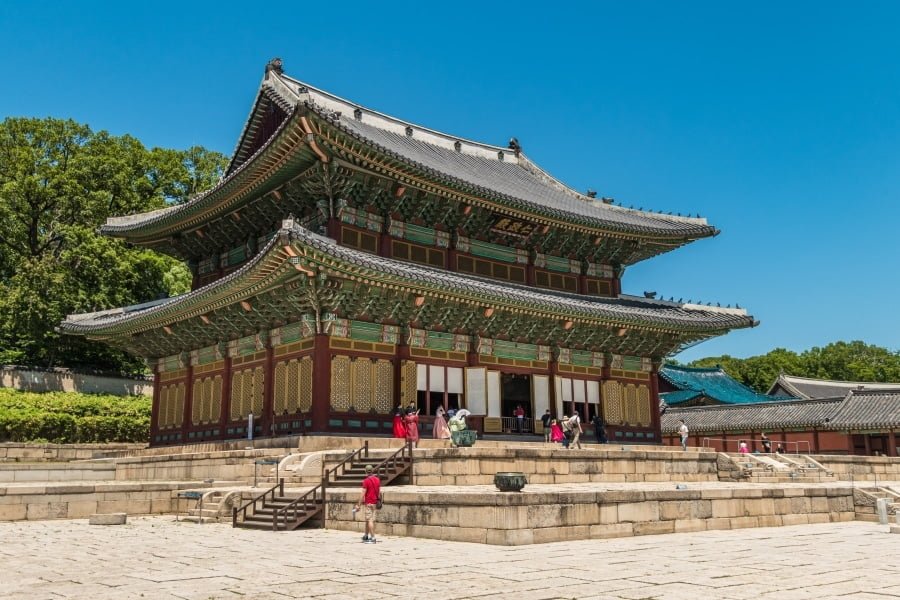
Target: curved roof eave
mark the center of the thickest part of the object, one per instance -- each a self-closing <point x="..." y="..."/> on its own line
<point x="628" y="312"/>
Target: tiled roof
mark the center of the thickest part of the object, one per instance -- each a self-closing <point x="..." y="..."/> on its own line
<point x="756" y="417"/>
<point x="868" y="409"/>
<point x="623" y="310"/>
<point x="488" y="171"/>
<point x="857" y="410"/>
<point x="807" y="387"/>
<point x="714" y="383"/>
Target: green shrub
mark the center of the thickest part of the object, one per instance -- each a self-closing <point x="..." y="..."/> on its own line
<point x="65" y="418"/>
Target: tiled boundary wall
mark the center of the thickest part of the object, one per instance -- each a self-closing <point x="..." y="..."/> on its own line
<point x="33" y="380"/>
<point x="539" y="517"/>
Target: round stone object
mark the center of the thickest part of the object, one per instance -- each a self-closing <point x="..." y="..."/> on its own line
<point x="510" y="482"/>
<point x="110" y="519"/>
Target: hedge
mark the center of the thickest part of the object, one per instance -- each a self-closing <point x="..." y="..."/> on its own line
<point x="67" y="417"/>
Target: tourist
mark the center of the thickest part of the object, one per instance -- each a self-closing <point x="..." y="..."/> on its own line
<point x="574" y="426"/>
<point x="545" y="419"/>
<point x="683" y="431"/>
<point x="441" y="431"/>
<point x="399" y="427"/>
<point x="779" y="449"/>
<point x="412" y="426"/>
<point x="567" y="433"/>
<point x="556" y="432"/>
<point x="742" y="448"/>
<point x="599" y="428"/>
<point x="519" y="413"/>
<point x="766" y="443"/>
<point x="371" y="493"/>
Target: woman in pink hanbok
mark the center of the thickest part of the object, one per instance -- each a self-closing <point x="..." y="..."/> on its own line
<point x="441" y="430"/>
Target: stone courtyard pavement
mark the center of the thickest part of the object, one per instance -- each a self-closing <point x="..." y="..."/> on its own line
<point x="158" y="558"/>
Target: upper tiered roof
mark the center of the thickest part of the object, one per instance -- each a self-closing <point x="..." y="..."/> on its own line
<point x="294" y="124"/>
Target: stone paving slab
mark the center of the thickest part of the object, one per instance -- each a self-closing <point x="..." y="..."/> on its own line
<point x="158" y="558"/>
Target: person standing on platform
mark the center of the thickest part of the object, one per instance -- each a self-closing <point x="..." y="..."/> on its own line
<point x="575" y="427"/>
<point x="441" y="431"/>
<point x="545" y="419"/>
<point x="599" y="428"/>
<point x="556" y="433"/>
<point x="412" y="426"/>
<point x="766" y="443"/>
<point x="399" y="427"/>
<point x="683" y="432"/>
<point x="371" y="492"/>
<point x="519" y="413"/>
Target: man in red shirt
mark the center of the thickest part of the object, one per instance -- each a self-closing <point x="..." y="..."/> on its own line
<point x="369" y="497"/>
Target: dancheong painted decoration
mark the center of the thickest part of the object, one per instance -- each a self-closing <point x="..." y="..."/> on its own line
<point x="350" y="262"/>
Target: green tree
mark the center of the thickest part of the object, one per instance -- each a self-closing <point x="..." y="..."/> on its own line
<point x="58" y="182"/>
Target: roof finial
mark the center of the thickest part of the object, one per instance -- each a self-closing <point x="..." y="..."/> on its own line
<point x="591" y="193"/>
<point x="275" y="65"/>
<point x="515" y="146"/>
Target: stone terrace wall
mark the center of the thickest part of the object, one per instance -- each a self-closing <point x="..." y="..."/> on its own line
<point x="20" y="452"/>
<point x="477" y="466"/>
<point x="237" y="465"/>
<point x="862" y="468"/>
<point x="538" y="517"/>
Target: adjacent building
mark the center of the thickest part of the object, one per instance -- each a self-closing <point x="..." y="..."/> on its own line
<point x="350" y="261"/>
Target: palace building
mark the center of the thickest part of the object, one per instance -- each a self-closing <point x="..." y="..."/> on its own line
<point x="350" y="261"/>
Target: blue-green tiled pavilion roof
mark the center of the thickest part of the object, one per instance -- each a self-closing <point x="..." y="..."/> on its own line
<point x="713" y="383"/>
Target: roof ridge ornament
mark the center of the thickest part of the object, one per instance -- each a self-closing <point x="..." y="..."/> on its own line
<point x="275" y="65"/>
<point x="515" y="146"/>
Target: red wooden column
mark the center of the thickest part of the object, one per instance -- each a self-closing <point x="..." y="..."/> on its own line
<point x="154" y="406"/>
<point x="321" y="404"/>
<point x="226" y="396"/>
<point x="186" y="418"/>
<point x="268" y="416"/>
<point x="815" y="440"/>
<point x="892" y="443"/>
<point x="655" y="419"/>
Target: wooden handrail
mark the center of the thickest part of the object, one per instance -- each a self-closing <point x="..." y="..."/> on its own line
<point x="252" y="502"/>
<point x="317" y="493"/>
<point x="382" y="467"/>
<point x="362" y="451"/>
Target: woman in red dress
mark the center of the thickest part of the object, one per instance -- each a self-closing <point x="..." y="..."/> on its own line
<point x="399" y="427"/>
<point x="412" y="426"/>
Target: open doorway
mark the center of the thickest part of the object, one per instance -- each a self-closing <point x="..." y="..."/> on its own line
<point x="516" y="392"/>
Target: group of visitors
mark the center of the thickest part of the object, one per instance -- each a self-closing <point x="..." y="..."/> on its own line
<point x="766" y="445"/>
<point x="567" y="430"/>
<point x="406" y="424"/>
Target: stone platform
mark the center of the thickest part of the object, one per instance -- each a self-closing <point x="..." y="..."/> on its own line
<point x="554" y="512"/>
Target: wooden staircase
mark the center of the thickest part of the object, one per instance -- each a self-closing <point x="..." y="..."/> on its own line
<point x="274" y="510"/>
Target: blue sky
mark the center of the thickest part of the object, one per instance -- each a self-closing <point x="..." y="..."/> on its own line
<point x="779" y="122"/>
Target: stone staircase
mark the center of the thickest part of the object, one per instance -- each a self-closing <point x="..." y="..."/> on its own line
<point x="865" y="500"/>
<point x="213" y="506"/>
<point x="275" y="510"/>
<point x="772" y="468"/>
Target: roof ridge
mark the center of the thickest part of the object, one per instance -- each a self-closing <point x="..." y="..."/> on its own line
<point x="819" y="380"/>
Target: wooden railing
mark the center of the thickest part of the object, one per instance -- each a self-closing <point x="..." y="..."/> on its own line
<point x="253" y="502"/>
<point x="391" y="462"/>
<point x="362" y="452"/>
<point x="304" y="503"/>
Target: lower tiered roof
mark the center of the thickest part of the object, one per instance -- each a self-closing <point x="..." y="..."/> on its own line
<point x="298" y="270"/>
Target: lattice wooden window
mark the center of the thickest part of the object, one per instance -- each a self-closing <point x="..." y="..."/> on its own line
<point x="643" y="406"/>
<point x="215" y="401"/>
<point x="292" y="388"/>
<point x="306" y="384"/>
<point x="178" y="418"/>
<point x="197" y="402"/>
<point x="259" y="390"/>
<point x="237" y="379"/>
<point x="408" y="382"/>
<point x="612" y="402"/>
<point x="488" y="268"/>
<point x="630" y="404"/>
<point x="361" y="240"/>
<point x="280" y="390"/>
<point x="162" y="416"/>
<point x="340" y="383"/>
<point x="598" y="287"/>
<point x="361" y="380"/>
<point x="556" y="281"/>
<point x="384" y="386"/>
<point x="419" y="254"/>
